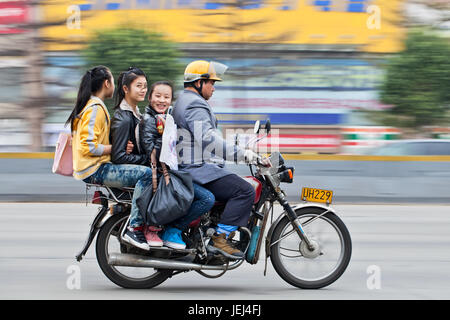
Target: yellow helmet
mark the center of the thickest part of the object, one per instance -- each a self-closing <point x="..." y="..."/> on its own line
<point x="201" y="69"/>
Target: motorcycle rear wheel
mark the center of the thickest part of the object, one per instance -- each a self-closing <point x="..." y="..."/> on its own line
<point x="125" y="277"/>
<point x="307" y="269"/>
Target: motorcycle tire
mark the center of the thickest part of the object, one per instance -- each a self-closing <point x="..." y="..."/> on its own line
<point x="112" y="225"/>
<point x="287" y="273"/>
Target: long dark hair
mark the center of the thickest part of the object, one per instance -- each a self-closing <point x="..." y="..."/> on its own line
<point x="91" y="82"/>
<point x="125" y="79"/>
<point x="157" y="83"/>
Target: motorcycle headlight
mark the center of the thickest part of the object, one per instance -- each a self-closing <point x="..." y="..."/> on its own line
<point x="279" y="171"/>
<point x="287" y="175"/>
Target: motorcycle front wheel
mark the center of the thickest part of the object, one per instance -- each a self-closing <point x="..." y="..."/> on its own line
<point x="127" y="277"/>
<point x="311" y="269"/>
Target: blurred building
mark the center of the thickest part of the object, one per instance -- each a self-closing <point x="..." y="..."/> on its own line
<point x="13" y="38"/>
<point x="305" y="64"/>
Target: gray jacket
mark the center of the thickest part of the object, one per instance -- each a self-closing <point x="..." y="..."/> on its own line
<point x="202" y="151"/>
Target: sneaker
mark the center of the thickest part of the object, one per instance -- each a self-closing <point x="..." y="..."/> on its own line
<point x="172" y="238"/>
<point x="136" y="237"/>
<point x="151" y="235"/>
<point x="219" y="244"/>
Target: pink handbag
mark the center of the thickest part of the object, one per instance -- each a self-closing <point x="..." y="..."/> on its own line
<point x="62" y="163"/>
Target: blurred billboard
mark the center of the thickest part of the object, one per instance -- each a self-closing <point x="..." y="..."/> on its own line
<point x="297" y="22"/>
<point x="312" y="91"/>
<point x="13" y="13"/>
<point x="313" y="61"/>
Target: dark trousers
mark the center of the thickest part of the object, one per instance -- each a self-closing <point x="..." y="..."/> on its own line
<point x="238" y="195"/>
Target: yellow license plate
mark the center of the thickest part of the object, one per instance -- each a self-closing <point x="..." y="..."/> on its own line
<point x="317" y="195"/>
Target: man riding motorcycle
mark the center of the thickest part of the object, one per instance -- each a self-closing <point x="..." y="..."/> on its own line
<point x="203" y="151"/>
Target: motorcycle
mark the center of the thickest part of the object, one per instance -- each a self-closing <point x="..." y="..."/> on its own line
<point x="308" y="245"/>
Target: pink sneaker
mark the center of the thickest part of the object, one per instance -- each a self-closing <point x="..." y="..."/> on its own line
<point x="151" y="235"/>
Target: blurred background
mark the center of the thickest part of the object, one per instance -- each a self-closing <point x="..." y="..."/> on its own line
<point x="333" y="76"/>
<point x="358" y="91"/>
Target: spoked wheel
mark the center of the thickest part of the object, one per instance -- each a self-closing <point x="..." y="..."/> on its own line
<point x="126" y="277"/>
<point x="325" y="263"/>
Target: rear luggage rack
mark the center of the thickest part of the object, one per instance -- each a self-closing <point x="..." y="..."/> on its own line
<point x="119" y="195"/>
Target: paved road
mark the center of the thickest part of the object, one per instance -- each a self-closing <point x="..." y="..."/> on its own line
<point x="403" y="249"/>
<point x="31" y="180"/>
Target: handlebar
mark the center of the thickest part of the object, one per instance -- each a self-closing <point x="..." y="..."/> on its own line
<point x="261" y="163"/>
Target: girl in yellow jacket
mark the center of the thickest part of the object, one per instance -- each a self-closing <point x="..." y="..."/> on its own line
<point x="90" y="125"/>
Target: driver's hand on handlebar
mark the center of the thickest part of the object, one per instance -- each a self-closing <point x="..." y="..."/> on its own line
<point x="252" y="157"/>
<point x="265" y="162"/>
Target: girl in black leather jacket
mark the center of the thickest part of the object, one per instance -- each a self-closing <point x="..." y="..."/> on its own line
<point x="150" y="132"/>
<point x="131" y="89"/>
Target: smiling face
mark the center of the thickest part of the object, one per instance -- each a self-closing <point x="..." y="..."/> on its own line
<point x="137" y="90"/>
<point x="161" y="98"/>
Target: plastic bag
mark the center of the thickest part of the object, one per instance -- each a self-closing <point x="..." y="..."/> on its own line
<point x="168" y="153"/>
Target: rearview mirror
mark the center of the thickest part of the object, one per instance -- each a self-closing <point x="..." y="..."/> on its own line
<point x="267" y="126"/>
<point x="256" y="127"/>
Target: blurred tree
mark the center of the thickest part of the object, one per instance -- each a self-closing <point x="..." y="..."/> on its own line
<point x="123" y="47"/>
<point x="416" y="83"/>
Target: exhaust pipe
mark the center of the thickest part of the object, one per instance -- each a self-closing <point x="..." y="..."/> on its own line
<point x="132" y="260"/>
